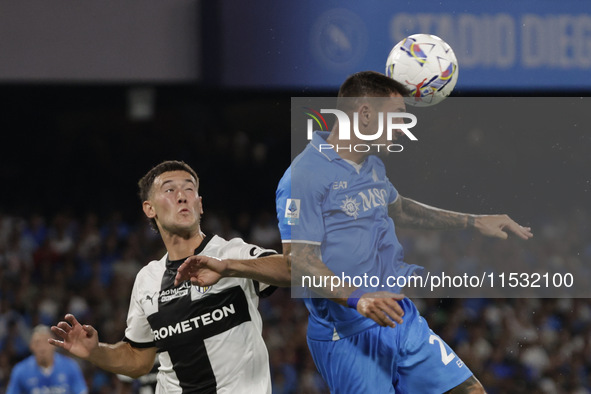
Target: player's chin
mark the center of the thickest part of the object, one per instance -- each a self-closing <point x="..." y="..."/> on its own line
<point x="382" y="153"/>
<point x="185" y="227"/>
<point x="385" y="150"/>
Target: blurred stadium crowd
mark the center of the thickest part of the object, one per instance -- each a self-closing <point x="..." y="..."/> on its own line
<point x="86" y="265"/>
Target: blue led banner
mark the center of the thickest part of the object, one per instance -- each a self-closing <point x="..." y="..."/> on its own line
<point x="316" y="44"/>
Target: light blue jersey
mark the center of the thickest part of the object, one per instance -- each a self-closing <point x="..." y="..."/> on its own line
<point x="343" y="207"/>
<point x="64" y="377"/>
<point x="323" y="199"/>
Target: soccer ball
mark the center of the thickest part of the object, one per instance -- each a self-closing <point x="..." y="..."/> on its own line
<point x="426" y="65"/>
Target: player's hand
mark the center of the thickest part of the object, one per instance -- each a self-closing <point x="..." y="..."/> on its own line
<point x="201" y="271"/>
<point x="382" y="307"/>
<point x="80" y="340"/>
<point x="498" y="225"/>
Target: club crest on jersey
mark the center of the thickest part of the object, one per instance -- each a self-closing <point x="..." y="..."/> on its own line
<point x="292" y="211"/>
<point x="202" y="290"/>
<point x="350" y="206"/>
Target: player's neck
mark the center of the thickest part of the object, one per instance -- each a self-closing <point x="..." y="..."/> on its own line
<point x="344" y="148"/>
<point x="179" y="247"/>
<point x="46" y="365"/>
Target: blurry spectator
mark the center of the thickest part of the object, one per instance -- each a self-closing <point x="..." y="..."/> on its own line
<point x="515" y="345"/>
<point x="127" y="266"/>
<point x="13" y="344"/>
<point x="35" y="232"/>
<point x="90" y="238"/>
<point x="265" y="232"/>
<point x="46" y="371"/>
<point x="143" y="385"/>
<point x="60" y="239"/>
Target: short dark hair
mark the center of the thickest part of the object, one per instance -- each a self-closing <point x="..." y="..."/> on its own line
<point x="147" y="181"/>
<point x="367" y="84"/>
<point x="371" y="84"/>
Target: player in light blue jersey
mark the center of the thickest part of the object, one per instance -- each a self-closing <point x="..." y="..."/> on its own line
<point x="337" y="212"/>
<point x="46" y="371"/>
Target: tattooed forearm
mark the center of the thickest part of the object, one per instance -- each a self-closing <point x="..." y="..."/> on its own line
<point x="470" y="386"/>
<point x="411" y="214"/>
<point x="305" y="260"/>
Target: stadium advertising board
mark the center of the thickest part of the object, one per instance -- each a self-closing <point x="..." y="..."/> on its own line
<point x="499" y="45"/>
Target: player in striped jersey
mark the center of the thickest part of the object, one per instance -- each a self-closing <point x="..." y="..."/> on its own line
<point x="208" y="338"/>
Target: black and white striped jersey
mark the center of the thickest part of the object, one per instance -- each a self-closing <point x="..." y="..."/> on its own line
<point x="209" y="339"/>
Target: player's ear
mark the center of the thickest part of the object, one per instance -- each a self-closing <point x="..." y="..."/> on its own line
<point x="148" y="209"/>
<point x="201" y="205"/>
<point x="364" y="114"/>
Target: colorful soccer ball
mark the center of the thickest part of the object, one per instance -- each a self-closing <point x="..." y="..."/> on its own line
<point x="426" y="65"/>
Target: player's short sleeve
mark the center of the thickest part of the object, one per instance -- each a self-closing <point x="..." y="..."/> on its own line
<point x="245" y="251"/>
<point x="138" y="332"/>
<point x="299" y="198"/>
<point x="392" y="192"/>
<point x="15" y="384"/>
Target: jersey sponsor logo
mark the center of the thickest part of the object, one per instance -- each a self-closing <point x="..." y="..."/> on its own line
<point x="292" y="211"/>
<point x="181" y="327"/>
<point x="374" y="198"/>
<point x="195" y="322"/>
<point x="350" y="206"/>
<point x="339" y="185"/>
<point x="185" y="321"/>
<point x="36" y="387"/>
<point x="175" y="292"/>
<point x="49" y="390"/>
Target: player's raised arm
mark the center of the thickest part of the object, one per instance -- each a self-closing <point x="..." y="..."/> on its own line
<point x="120" y="358"/>
<point x="412" y="214"/>
<point x="304" y="260"/>
<point x="207" y="271"/>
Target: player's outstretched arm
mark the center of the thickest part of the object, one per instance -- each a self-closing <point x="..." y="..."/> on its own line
<point x="121" y="358"/>
<point x="304" y="260"/>
<point x="207" y="271"/>
<point x="498" y="225"/>
<point x="412" y="214"/>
